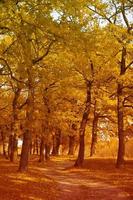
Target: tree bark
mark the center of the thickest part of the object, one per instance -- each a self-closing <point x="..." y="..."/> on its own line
<point x="80" y="159"/>
<point x="94" y="135"/>
<point x="56" y="142"/>
<point x="47" y="152"/>
<point x="14" y="126"/>
<point x="36" y="145"/>
<point x="71" y="144"/>
<point x="28" y="67"/>
<point x="3" y="143"/>
<point x="23" y="166"/>
<point x="25" y="151"/>
<point x="42" y="149"/>
<point x="13" y="148"/>
<point x="54" y="145"/>
<point x="121" y="144"/>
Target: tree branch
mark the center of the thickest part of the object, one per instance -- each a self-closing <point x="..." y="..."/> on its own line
<point x="124" y="16"/>
<point x="129" y="65"/>
<point x="35" y="61"/>
<point x="100" y="14"/>
<point x="51" y="85"/>
<point x="10" y="71"/>
<point x="22" y="105"/>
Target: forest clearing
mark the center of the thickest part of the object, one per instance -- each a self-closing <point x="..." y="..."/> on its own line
<point x="66" y="99"/>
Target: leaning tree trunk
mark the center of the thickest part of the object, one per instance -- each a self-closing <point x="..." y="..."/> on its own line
<point x="80" y="159"/>
<point x="120" y="106"/>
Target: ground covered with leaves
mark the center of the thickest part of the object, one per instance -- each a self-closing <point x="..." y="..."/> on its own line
<point x="31" y="185"/>
<point x="58" y="180"/>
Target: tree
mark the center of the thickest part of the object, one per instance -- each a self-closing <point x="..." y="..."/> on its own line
<point x="112" y="13"/>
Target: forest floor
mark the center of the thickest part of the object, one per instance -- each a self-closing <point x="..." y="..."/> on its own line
<point x="58" y="180"/>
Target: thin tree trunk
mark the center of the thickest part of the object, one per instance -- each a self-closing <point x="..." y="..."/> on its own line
<point x="71" y="144"/>
<point x="58" y="139"/>
<point x="121" y="145"/>
<point x="94" y="136"/>
<point x="42" y="149"/>
<point x="14" y="147"/>
<point x="36" y="145"/>
<point x="54" y="145"/>
<point x="94" y="131"/>
<point x="56" y="142"/>
<point x="4" y="150"/>
<point x="3" y="143"/>
<point x="31" y="147"/>
<point x="47" y="152"/>
<point x="80" y="159"/>
<point x="14" y="126"/>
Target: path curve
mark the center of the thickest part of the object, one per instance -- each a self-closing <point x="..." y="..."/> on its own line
<point x="75" y="184"/>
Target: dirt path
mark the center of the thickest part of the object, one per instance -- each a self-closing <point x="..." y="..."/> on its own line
<point x="75" y="184"/>
<point x="56" y="180"/>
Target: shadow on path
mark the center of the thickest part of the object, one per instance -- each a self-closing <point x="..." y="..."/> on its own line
<point x="83" y="184"/>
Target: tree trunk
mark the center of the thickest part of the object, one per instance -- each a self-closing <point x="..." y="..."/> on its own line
<point x="80" y="159"/>
<point x="71" y="144"/>
<point x="25" y="151"/>
<point x="94" y="132"/>
<point x="58" y="138"/>
<point x="94" y="136"/>
<point x="121" y="145"/>
<point x="14" y="126"/>
<point x="31" y="147"/>
<point x="42" y="149"/>
<point x="47" y="152"/>
<point x="4" y="150"/>
<point x="54" y="145"/>
<point x="13" y="148"/>
<point x="56" y="142"/>
<point x="36" y="145"/>
<point x="3" y="143"/>
<point x="28" y="124"/>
